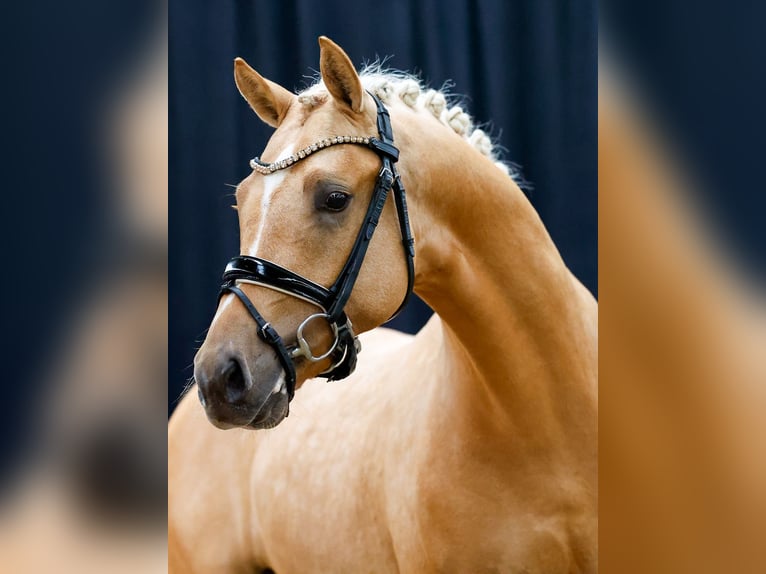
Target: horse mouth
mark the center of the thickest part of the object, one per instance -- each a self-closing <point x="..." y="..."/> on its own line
<point x="267" y="415"/>
<point x="271" y="413"/>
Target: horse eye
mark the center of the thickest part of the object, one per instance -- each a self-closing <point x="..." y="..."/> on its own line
<point x="336" y="201"/>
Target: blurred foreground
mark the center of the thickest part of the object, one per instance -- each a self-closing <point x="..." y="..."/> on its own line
<point x="89" y="492"/>
<point x="682" y="374"/>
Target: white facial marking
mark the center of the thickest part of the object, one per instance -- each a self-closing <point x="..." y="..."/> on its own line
<point x="227" y="299"/>
<point x="280" y="384"/>
<point x="270" y="184"/>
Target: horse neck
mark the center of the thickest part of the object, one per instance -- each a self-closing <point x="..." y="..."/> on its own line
<point x="519" y="331"/>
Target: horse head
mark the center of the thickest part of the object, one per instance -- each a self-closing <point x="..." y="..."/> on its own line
<point x="303" y="209"/>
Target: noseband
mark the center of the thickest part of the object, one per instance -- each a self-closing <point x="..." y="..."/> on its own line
<point x="331" y="301"/>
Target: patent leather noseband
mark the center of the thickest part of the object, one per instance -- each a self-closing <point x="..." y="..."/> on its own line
<point x="331" y="301"/>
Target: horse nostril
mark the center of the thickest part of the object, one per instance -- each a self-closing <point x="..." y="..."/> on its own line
<point x="234" y="381"/>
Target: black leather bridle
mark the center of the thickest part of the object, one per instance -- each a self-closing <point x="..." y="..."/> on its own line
<point x="343" y="352"/>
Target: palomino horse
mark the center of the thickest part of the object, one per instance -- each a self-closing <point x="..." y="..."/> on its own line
<point x="470" y="447"/>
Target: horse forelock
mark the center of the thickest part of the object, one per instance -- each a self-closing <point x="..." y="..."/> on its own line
<point x="388" y="84"/>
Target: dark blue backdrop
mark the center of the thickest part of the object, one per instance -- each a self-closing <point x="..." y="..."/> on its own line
<point x="527" y="67"/>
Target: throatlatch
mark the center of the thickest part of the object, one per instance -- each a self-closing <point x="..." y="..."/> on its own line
<point x="332" y="301"/>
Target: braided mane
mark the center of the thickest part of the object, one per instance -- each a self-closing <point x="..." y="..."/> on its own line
<point x="386" y="83"/>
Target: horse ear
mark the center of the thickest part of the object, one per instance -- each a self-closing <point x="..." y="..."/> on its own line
<point x="269" y="100"/>
<point x="339" y="75"/>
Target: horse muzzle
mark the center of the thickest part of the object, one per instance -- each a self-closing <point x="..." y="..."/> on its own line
<point x="232" y="398"/>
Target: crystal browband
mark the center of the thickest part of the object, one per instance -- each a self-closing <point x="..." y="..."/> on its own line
<point x="267" y="168"/>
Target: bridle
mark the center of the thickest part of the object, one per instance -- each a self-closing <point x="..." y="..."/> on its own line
<point x="245" y="269"/>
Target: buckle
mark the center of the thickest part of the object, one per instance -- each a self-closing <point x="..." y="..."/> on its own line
<point x="386" y="177"/>
<point x="269" y="334"/>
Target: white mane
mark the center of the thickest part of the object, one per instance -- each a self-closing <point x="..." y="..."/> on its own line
<point x="386" y="84"/>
